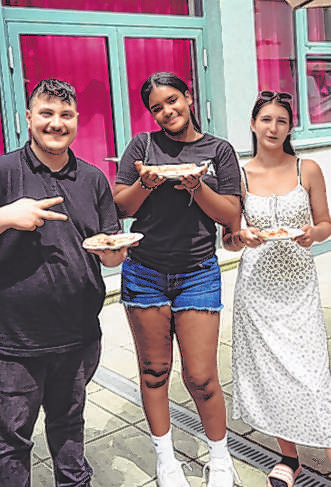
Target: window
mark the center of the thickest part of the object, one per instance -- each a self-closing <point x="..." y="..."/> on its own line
<point x="319" y="24"/>
<point x="169" y="7"/>
<point x="146" y="56"/>
<point x="279" y="64"/>
<point x="106" y="56"/>
<point x="318" y="66"/>
<point x="319" y="89"/>
<point x="82" y="61"/>
<point x="276" y="56"/>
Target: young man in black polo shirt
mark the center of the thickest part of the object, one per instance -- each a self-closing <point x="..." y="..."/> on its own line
<point x="51" y="289"/>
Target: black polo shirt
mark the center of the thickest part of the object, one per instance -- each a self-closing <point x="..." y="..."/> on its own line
<point x="51" y="289"/>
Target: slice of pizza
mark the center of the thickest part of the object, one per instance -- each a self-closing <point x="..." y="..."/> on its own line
<point x="274" y="233"/>
<point x="112" y="242"/>
<point x="172" y="170"/>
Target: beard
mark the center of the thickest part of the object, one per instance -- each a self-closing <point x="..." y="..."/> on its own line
<point x="48" y="149"/>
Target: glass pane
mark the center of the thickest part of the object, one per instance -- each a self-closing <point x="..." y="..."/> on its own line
<point x="2" y="144"/>
<point x="82" y="61"/>
<point x="276" y="56"/>
<point x="319" y="90"/>
<point x="146" y="56"/>
<point x="169" y="7"/>
<point x="319" y="24"/>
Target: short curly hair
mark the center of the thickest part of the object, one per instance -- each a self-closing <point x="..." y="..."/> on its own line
<point x="54" y="88"/>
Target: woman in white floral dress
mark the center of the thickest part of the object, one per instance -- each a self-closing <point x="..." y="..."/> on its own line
<point x="281" y="375"/>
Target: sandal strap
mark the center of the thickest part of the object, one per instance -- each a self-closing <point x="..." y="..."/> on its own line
<point x="283" y="472"/>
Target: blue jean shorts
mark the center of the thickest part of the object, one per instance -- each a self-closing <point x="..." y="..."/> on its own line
<point x="144" y="287"/>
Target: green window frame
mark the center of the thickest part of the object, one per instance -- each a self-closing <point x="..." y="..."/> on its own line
<point x="115" y="27"/>
<point x="308" y="134"/>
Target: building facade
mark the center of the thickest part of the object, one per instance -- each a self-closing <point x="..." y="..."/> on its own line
<point x="227" y="50"/>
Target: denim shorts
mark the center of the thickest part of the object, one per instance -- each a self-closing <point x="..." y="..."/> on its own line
<point x="144" y="287"/>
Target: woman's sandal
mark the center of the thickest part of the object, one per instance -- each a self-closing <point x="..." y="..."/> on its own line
<point x="284" y="473"/>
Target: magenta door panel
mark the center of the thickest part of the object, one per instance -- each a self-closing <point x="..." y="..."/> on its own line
<point x="146" y="56"/>
<point x="83" y="62"/>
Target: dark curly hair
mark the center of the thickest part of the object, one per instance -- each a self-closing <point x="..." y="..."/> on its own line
<point x="54" y="88"/>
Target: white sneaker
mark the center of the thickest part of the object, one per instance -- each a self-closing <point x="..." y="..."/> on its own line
<point x="171" y="475"/>
<point x="221" y="473"/>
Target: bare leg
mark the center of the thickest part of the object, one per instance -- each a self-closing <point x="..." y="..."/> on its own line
<point x="288" y="448"/>
<point x="197" y="335"/>
<point x="151" y="329"/>
<point x="279" y="475"/>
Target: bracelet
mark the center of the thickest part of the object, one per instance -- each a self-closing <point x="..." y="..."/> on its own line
<point x="192" y="191"/>
<point x="197" y="186"/>
<point x="144" y="186"/>
<point x="239" y="238"/>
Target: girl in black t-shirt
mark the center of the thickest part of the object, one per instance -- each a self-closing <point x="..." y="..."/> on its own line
<point x="171" y="281"/>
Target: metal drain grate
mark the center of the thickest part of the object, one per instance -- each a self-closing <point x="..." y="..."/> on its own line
<point x="241" y="448"/>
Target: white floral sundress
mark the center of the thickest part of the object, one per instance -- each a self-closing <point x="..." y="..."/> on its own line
<point x="281" y="375"/>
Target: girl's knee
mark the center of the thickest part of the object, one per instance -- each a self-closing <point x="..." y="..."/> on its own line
<point x="155" y="377"/>
<point x="201" y="386"/>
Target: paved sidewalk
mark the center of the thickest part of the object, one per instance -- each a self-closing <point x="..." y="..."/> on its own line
<point x="117" y="439"/>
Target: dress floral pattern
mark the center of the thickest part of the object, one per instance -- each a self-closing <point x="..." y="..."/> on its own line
<point x="281" y="375"/>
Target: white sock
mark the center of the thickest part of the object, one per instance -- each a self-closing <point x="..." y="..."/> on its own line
<point x="218" y="449"/>
<point x="164" y="447"/>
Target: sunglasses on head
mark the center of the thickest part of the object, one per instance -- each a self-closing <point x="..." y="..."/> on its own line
<point x="275" y="95"/>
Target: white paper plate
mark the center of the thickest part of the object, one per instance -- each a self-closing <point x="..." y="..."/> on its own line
<point x="115" y="241"/>
<point x="189" y="172"/>
<point x="183" y="171"/>
<point x="291" y="233"/>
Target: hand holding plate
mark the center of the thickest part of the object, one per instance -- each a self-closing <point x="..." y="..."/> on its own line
<point x="111" y="258"/>
<point x="307" y="238"/>
<point x="150" y="179"/>
<point x="249" y="237"/>
<point x="191" y="181"/>
<point x="111" y="249"/>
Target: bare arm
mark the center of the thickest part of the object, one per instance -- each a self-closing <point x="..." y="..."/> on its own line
<point x="231" y="235"/>
<point x="313" y="181"/>
<point x="236" y="238"/>
<point x="27" y="213"/>
<point x="111" y="258"/>
<point x="130" y="198"/>
<point x="222" y="208"/>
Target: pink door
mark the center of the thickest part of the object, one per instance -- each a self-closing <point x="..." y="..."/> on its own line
<point x="145" y="56"/>
<point x="83" y="62"/>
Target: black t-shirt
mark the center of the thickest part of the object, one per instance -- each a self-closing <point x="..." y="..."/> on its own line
<point x="178" y="237"/>
<point x="51" y="289"/>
